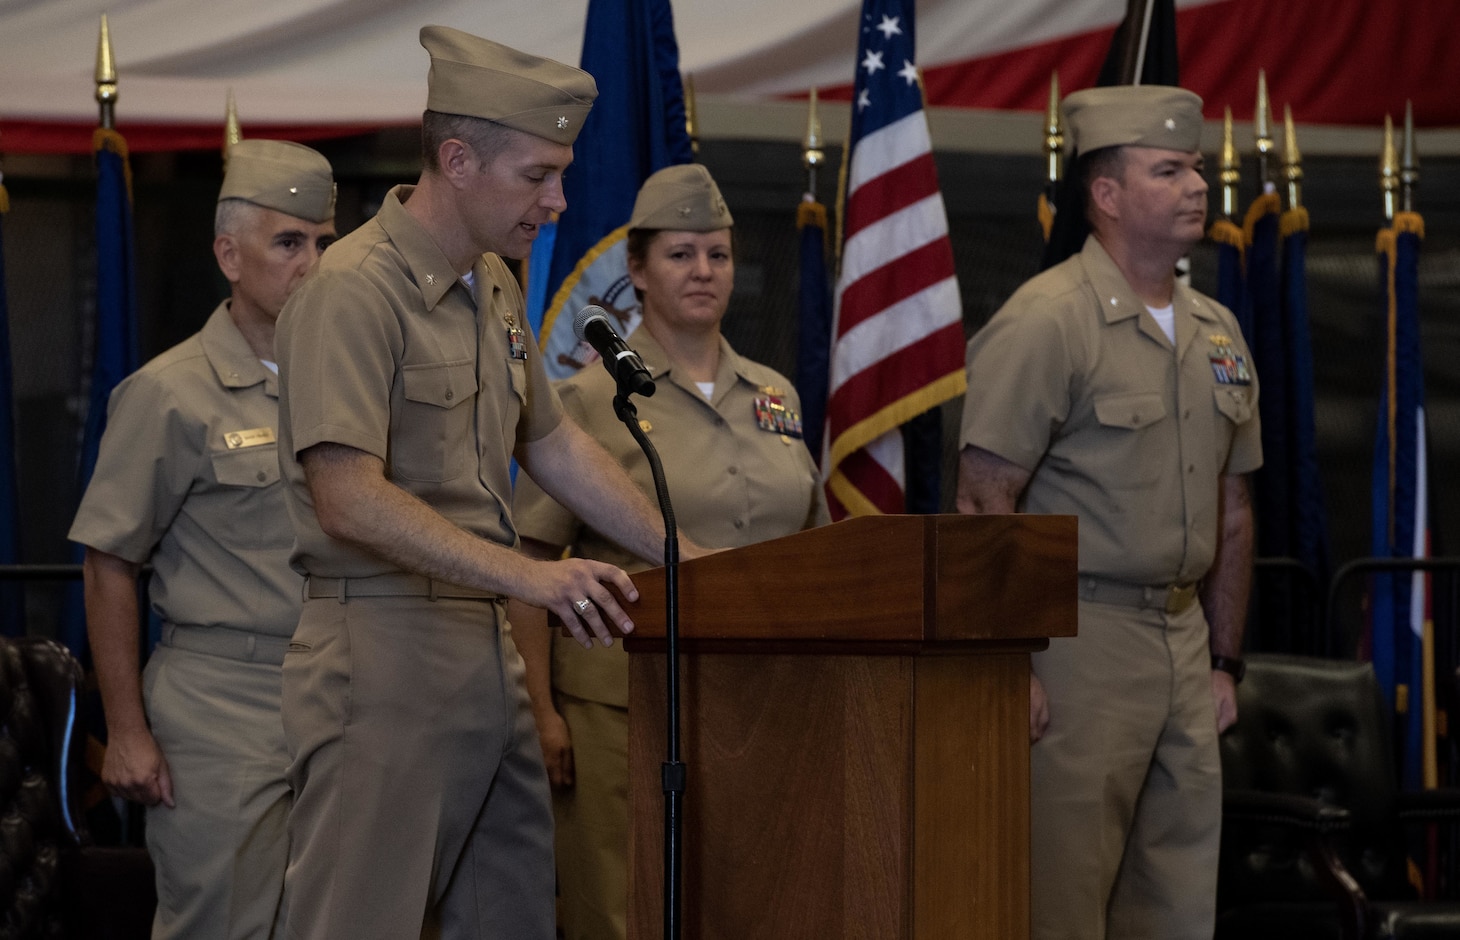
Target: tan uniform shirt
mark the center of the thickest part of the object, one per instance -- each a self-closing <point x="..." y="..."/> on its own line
<point x="731" y="482"/>
<point x="385" y="350"/>
<point x="188" y="478"/>
<point x="1074" y="381"/>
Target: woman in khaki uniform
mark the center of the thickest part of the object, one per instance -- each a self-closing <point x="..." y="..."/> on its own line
<point x="728" y="432"/>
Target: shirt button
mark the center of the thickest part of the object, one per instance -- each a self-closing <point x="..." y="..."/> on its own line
<point x="734" y="470"/>
<point x="1186" y="414"/>
<point x="1191" y="468"/>
<point x="719" y="422"/>
<point x="263" y="476"/>
<point x="739" y="523"/>
<point x="450" y="394"/>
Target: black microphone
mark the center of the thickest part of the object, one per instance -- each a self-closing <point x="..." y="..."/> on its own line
<point x="593" y="327"/>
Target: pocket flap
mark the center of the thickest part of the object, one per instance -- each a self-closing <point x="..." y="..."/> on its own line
<point x="1234" y="402"/>
<point x="250" y="466"/>
<point x="1129" y="410"/>
<point x="443" y="384"/>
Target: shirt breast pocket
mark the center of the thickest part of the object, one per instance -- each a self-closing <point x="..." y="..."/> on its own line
<point x="1235" y="405"/>
<point x="431" y="440"/>
<point x="248" y="467"/>
<point x="1128" y="453"/>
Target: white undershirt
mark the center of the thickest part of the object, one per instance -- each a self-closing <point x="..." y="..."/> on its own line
<point x="271" y="366"/>
<point x="1166" y="319"/>
<point x="707" y="389"/>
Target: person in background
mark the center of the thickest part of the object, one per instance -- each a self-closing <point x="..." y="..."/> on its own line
<point x="729" y="434"/>
<point x="1107" y="390"/>
<point x="409" y="382"/>
<point x="188" y="479"/>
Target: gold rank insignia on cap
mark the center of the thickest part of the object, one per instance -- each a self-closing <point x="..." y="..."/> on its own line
<point x="683" y="198"/>
<point x="479" y="78"/>
<point x="1133" y="116"/>
<point x="280" y="175"/>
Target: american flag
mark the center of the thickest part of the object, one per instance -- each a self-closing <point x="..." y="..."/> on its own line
<point x="897" y="347"/>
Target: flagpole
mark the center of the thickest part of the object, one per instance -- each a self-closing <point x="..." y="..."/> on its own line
<point x="1054" y="157"/>
<point x="1292" y="161"/>
<point x="1262" y="131"/>
<point x="691" y="116"/>
<point x="1231" y="172"/>
<point x="106" y="77"/>
<point x="1389" y="171"/>
<point x="1409" y="162"/>
<point x="1133" y="57"/>
<point x="232" y="133"/>
<point x="812" y="156"/>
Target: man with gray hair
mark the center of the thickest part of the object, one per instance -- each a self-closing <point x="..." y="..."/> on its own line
<point x="410" y="380"/>
<point x="1108" y="390"/>
<point x="188" y="478"/>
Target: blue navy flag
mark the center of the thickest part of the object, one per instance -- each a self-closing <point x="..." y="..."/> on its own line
<point x="897" y="346"/>
<point x="1308" y="517"/>
<point x="1401" y="621"/>
<point x="1261" y="320"/>
<point x="637" y="126"/>
<point x="1231" y="258"/>
<point x="12" y="595"/>
<point x="114" y="347"/>
<point x="813" y="349"/>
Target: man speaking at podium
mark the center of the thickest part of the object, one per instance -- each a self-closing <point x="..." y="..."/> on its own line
<point x="1107" y="390"/>
<point x="409" y="382"/>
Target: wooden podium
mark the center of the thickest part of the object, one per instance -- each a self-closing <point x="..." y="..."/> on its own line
<point x="854" y="719"/>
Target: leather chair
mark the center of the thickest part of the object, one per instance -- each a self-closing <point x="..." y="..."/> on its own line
<point x="1313" y="841"/>
<point x="53" y="881"/>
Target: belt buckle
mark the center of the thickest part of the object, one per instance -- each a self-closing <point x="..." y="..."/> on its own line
<point x="1180" y="597"/>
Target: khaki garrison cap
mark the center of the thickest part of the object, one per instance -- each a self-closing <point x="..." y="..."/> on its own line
<point x="683" y="198"/>
<point x="479" y="78"/>
<point x="1134" y="116"/>
<point x="281" y="175"/>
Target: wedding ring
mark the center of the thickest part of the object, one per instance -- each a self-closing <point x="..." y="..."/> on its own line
<point x="583" y="605"/>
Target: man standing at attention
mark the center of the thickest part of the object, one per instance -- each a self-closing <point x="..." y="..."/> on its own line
<point x="410" y="380"/>
<point x="1107" y="390"/>
<point x="188" y="478"/>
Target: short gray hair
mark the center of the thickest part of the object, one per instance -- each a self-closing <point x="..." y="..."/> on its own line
<point x="487" y="139"/>
<point x="233" y="216"/>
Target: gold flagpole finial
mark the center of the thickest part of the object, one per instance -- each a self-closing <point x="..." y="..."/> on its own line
<point x="232" y="133"/>
<point x="1389" y="170"/>
<point x="812" y="156"/>
<point x="691" y="120"/>
<point x="1231" y="170"/>
<point x="1408" y="161"/>
<point x="106" y="76"/>
<point x="1262" y="130"/>
<point x="1054" y="134"/>
<point x="1292" y="160"/>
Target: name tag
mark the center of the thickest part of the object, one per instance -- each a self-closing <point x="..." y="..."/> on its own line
<point x="250" y="438"/>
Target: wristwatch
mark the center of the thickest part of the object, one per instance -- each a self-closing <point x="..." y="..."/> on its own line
<point x="1233" y="665"/>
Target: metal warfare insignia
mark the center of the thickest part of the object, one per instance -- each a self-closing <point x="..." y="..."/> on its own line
<point x="1228" y="365"/>
<point x="772" y="415"/>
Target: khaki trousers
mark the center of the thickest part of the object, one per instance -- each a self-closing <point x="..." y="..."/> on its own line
<point x="220" y="852"/>
<point x="1126" y="783"/>
<point x="421" y="803"/>
<point x="593" y="823"/>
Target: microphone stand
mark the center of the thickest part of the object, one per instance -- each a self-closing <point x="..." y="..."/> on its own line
<point x="672" y="771"/>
